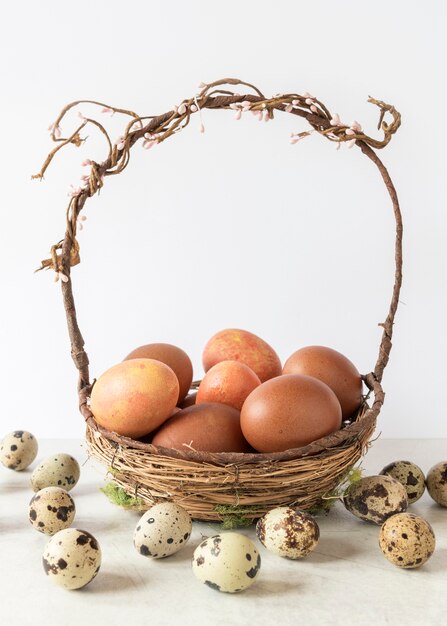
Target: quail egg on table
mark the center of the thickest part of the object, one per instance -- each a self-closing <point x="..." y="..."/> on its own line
<point x="437" y="483"/>
<point x="51" y="509"/>
<point x="18" y="450"/>
<point x="410" y="475"/>
<point x="407" y="540"/>
<point x="72" y="558"/>
<point x="288" y="532"/>
<point x="58" y="470"/>
<point x="228" y="562"/>
<point x="375" y="498"/>
<point x="162" y="530"/>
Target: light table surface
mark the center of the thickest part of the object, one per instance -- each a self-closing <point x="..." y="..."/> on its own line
<point x="345" y="581"/>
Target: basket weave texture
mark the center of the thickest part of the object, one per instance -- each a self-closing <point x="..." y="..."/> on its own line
<point x="205" y="483"/>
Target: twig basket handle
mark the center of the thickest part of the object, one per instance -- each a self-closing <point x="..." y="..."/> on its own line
<point x="152" y="130"/>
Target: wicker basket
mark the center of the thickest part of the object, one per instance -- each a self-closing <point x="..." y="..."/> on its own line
<point x="210" y="485"/>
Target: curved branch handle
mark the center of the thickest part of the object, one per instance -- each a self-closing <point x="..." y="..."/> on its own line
<point x="155" y="129"/>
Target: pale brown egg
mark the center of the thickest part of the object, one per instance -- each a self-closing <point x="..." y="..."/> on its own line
<point x="134" y="397"/>
<point x="332" y="368"/>
<point x="173" y="357"/>
<point x="289" y="412"/>
<point x="208" y="427"/>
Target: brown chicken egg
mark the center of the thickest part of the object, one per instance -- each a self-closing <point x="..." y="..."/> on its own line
<point x="210" y="427"/>
<point x="288" y="412"/>
<point x="173" y="357"/>
<point x="332" y="368"/>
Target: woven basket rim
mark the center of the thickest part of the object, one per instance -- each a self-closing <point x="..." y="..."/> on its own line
<point x="338" y="438"/>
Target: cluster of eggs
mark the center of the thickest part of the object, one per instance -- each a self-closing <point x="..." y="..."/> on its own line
<point x="228" y="562"/>
<point x="246" y="402"/>
<point x="406" y="540"/>
<point x="72" y="557"/>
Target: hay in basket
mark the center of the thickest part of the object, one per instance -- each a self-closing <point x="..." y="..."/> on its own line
<point x="216" y="486"/>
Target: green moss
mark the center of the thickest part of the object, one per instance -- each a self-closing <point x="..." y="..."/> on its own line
<point x="235" y="516"/>
<point x="329" y="499"/>
<point x="118" y="496"/>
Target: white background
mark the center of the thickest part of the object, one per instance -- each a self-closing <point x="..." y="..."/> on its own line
<point x="235" y="228"/>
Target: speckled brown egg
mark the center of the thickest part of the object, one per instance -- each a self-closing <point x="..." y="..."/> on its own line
<point x="72" y="558"/>
<point x="437" y="483"/>
<point x="211" y="427"/>
<point x="58" y="470"/>
<point x="332" y="368"/>
<point x="18" y="450"/>
<point x="51" y="509"/>
<point x="376" y="498"/>
<point x="228" y="562"/>
<point x="409" y="475"/>
<point x="288" y="532"/>
<point x="407" y="540"/>
<point x="163" y="530"/>
<point x="289" y="412"/>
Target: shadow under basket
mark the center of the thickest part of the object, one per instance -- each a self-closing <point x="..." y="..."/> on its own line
<point x="212" y="485"/>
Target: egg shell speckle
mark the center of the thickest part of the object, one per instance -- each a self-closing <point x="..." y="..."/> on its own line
<point x="375" y="498"/>
<point x="51" y="509"/>
<point x="18" y="450"/>
<point x="407" y="540"/>
<point x="163" y="530"/>
<point x="72" y="558"/>
<point x="437" y="483"/>
<point x="409" y="475"/>
<point x="228" y="562"/>
<point x="58" y="470"/>
<point x="288" y="532"/>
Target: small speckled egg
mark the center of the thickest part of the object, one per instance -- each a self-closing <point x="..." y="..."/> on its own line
<point x="409" y="475"/>
<point x="228" y="562"/>
<point x="407" y="540"/>
<point x="58" y="470"/>
<point x="72" y="558"/>
<point x="163" y="530"/>
<point x="437" y="483"/>
<point x="288" y="532"/>
<point x="18" y="450"/>
<point x="51" y="509"/>
<point x="376" y="498"/>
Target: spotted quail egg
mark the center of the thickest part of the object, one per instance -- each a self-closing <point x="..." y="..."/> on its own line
<point x="288" y="532"/>
<point x="72" y="558"/>
<point x="437" y="483"/>
<point x="162" y="530"/>
<point x="228" y="562"/>
<point x="18" y="450"/>
<point x="51" y="509"/>
<point x="58" y="470"/>
<point x="375" y="498"/>
<point x="407" y="540"/>
<point x="410" y="475"/>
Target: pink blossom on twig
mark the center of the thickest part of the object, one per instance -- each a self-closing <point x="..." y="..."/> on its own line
<point x="81" y="218"/>
<point x="74" y="191"/>
<point x="120" y="143"/>
<point x="86" y="162"/>
<point x="240" y="107"/>
<point x="55" y="130"/>
<point x="335" y="121"/>
<point x="107" y="110"/>
<point x="61" y="276"/>
<point x="149" y="141"/>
